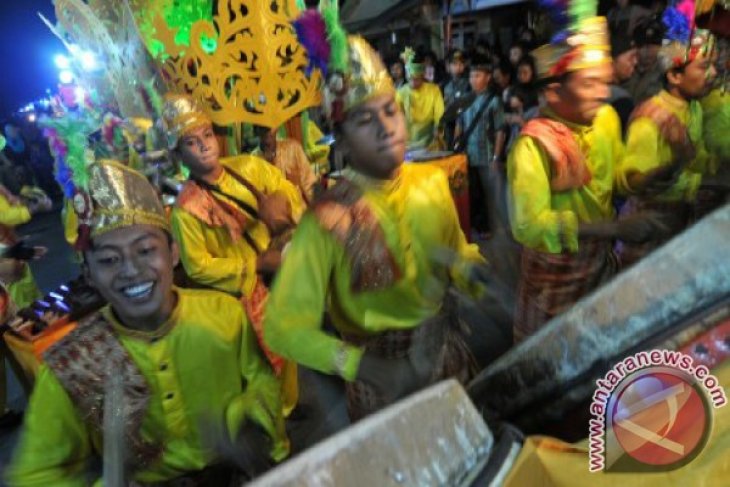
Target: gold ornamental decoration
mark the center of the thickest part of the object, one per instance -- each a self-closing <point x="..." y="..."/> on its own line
<point x="107" y="28"/>
<point x="244" y="66"/>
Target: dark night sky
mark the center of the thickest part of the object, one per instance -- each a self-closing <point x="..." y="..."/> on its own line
<point x="28" y="48"/>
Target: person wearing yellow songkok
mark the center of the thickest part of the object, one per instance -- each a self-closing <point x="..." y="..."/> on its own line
<point x="367" y="253"/>
<point x="232" y="218"/>
<point x="666" y="160"/>
<point x="182" y="366"/>
<point x="560" y="176"/>
<point x="422" y="103"/>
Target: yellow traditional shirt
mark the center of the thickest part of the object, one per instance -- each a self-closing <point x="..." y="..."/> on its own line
<point x="204" y="364"/>
<point x="209" y="254"/>
<point x="418" y="219"/>
<point x="12" y="215"/>
<point x="646" y="149"/>
<point x="24" y="290"/>
<point x="546" y="220"/>
<point x="318" y="154"/>
<point x="423" y="109"/>
<point x="293" y="163"/>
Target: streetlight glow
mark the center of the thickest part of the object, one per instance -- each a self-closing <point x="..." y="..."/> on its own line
<point x="66" y="77"/>
<point x="62" y="62"/>
<point x="88" y="61"/>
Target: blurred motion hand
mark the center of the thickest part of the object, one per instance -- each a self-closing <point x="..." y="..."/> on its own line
<point x="642" y="227"/>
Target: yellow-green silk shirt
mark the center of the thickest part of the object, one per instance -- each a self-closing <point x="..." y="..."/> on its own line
<point x="418" y="218"/>
<point x="646" y="149"/>
<point x="23" y="291"/>
<point x="204" y="364"/>
<point x="423" y="109"/>
<point x="209" y="254"/>
<point x="547" y="220"/>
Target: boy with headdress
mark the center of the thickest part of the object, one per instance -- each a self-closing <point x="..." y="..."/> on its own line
<point x="666" y="160"/>
<point x="367" y="253"/>
<point x="421" y="102"/>
<point x="175" y="361"/>
<point x="232" y="217"/>
<point x="560" y="175"/>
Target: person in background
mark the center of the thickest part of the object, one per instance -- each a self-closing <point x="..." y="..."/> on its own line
<point x="480" y="132"/>
<point x="515" y="117"/>
<point x="625" y="17"/>
<point x="457" y="87"/>
<point x="458" y="84"/>
<point x="397" y="72"/>
<point x="288" y="156"/>
<point x="432" y="69"/>
<point x="648" y="76"/>
<point x="625" y="57"/>
<point x="503" y="81"/>
<point x="526" y="79"/>
<point x="18" y="153"/>
<point x="422" y="103"/>
<point x="516" y="52"/>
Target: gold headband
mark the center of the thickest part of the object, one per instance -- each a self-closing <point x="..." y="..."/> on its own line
<point x="366" y="79"/>
<point x="180" y="115"/>
<point x="121" y="197"/>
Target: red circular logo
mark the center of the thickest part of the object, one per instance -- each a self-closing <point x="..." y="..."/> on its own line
<point x="660" y="418"/>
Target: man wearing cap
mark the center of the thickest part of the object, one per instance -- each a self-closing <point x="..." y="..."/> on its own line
<point x="378" y="251"/>
<point x="165" y="373"/>
<point x="666" y="161"/>
<point x="421" y="102"/>
<point x="560" y="179"/>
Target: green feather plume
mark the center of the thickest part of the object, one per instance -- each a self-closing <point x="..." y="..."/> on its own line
<point x="717" y="124"/>
<point x="154" y="97"/>
<point x="337" y="37"/>
<point x="580" y="10"/>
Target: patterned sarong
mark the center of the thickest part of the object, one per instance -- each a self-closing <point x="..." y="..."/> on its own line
<point x="676" y="215"/>
<point x="551" y="283"/>
<point x="437" y="345"/>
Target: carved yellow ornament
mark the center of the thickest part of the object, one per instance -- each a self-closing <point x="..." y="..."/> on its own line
<point x="256" y="72"/>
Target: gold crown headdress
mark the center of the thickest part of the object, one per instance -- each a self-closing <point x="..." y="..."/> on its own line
<point x="683" y="41"/>
<point x="180" y="114"/>
<point x="353" y="71"/>
<point x="581" y="42"/>
<point x="116" y="197"/>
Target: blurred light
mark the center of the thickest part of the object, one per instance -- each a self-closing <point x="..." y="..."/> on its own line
<point x="80" y="95"/>
<point x="31" y="118"/>
<point x="75" y="50"/>
<point x="62" y="62"/>
<point x="66" y="76"/>
<point x="88" y="61"/>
